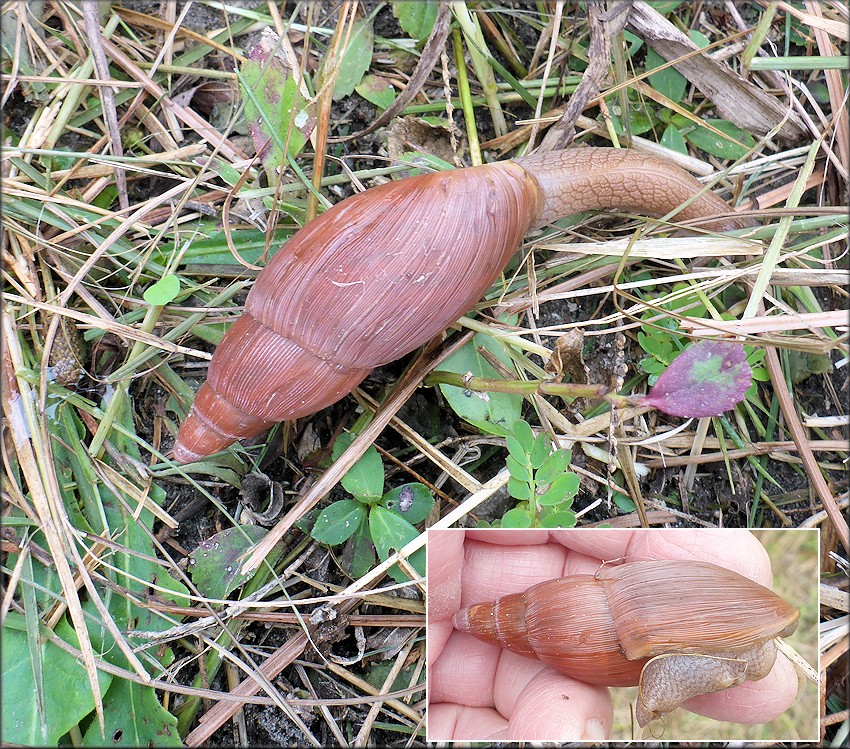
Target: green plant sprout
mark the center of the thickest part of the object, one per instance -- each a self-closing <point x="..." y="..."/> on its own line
<point x="373" y="521"/>
<point x="540" y="480"/>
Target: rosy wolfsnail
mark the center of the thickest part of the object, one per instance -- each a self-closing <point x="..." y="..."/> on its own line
<point x="382" y="272"/>
<point x="676" y="629"/>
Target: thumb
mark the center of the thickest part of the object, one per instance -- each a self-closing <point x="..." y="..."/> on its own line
<point x="554" y="707"/>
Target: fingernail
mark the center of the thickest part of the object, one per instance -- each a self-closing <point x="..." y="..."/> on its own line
<point x="594" y="730"/>
<point x="460" y="621"/>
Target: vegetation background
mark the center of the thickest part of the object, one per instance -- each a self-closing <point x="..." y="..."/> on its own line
<point x="136" y="214"/>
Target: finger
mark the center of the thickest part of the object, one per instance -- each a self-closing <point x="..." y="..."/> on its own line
<point x="493" y="570"/>
<point x="510" y="536"/>
<point x="556" y="708"/>
<point x="465" y="671"/>
<point x="437" y="635"/>
<point x="449" y="722"/>
<point x="736" y="549"/>
<point x="733" y="548"/>
<point x="445" y="562"/>
<point x="753" y="701"/>
<point x="544" y="705"/>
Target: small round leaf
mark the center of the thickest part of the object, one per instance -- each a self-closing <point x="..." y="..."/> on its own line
<point x="563" y="487"/>
<point x="563" y="519"/>
<point x="163" y="291"/>
<point x="540" y="449"/>
<point x="412" y="501"/>
<point x="366" y="477"/>
<point x="555" y="465"/>
<point x="516" y="518"/>
<point x="337" y="522"/>
<point x="518" y="489"/>
<point x="519" y="471"/>
<point x="214" y="564"/>
<point x="522" y="433"/>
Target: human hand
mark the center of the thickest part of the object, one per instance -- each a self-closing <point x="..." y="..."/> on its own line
<point x="479" y="691"/>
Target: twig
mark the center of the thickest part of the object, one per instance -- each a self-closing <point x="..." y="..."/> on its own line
<point x="792" y="421"/>
<point x="603" y="25"/>
<point x="91" y="21"/>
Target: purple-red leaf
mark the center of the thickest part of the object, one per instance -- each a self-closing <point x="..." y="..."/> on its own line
<point x="706" y="379"/>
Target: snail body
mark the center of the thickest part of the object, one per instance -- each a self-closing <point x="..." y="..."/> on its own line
<point x="385" y="270"/>
<point x="676" y="629"/>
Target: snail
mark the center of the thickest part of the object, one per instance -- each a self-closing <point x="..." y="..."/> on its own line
<point x="676" y="629"/>
<point x="382" y="272"/>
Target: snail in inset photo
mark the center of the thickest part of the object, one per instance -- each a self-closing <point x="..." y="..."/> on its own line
<point x="677" y="629"/>
<point x="528" y="628"/>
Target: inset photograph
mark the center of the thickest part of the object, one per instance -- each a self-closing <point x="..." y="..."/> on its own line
<point x="618" y="635"/>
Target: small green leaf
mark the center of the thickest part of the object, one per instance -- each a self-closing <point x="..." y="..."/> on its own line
<point x="554" y="465"/>
<point x="519" y="471"/>
<point x="338" y="522"/>
<point x="366" y="477"/>
<point x="378" y="674"/>
<point x="515" y="449"/>
<point x="495" y="413"/>
<point x="276" y="111"/>
<point x="376" y="90"/>
<point x="666" y="6"/>
<point x="355" y="59"/>
<point x="163" y="291"/>
<point x="413" y="502"/>
<point x="389" y="534"/>
<point x="669" y="82"/>
<point x="652" y="366"/>
<point x="623" y="502"/>
<point x="146" y="723"/>
<point x="760" y="374"/>
<point x="518" y="489"/>
<point x="658" y="344"/>
<point x="640" y="118"/>
<point x="523" y="434"/>
<point x="563" y="487"/>
<point x="516" y="518"/>
<point x="563" y="519"/>
<point x="804" y="364"/>
<point x="698" y="38"/>
<point x="540" y="450"/>
<point x="719" y="146"/>
<point x="416" y="17"/>
<point x="215" y="564"/>
<point x="358" y="556"/>
<point x="672" y="139"/>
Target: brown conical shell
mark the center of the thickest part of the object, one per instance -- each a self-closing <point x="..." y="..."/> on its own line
<point x="376" y="276"/>
<point x="257" y="378"/>
<point x="691" y="607"/>
<point x="604" y="628"/>
<point x="570" y="628"/>
<point x="501" y="623"/>
<point x="564" y="623"/>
